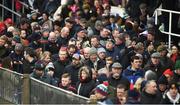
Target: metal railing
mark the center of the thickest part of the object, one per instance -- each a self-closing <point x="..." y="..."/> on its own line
<point x="24" y="5"/>
<point x="11" y="86"/>
<point x="21" y="89"/>
<point x="170" y="24"/>
<point x="43" y="93"/>
<point x="8" y="9"/>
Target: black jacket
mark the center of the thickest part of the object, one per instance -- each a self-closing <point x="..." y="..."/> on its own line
<point x="73" y="70"/>
<point x="122" y="80"/>
<point x="147" y="98"/>
<point x="59" y="67"/>
<point x="159" y="69"/>
<point x="85" y="87"/>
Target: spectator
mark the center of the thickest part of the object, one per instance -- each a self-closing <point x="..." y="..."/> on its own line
<point x="52" y="45"/>
<point x="61" y="62"/>
<point x="93" y="62"/>
<point x="162" y="84"/>
<point x="177" y="72"/>
<point x="168" y="74"/>
<point x="134" y="71"/>
<point x="101" y="93"/>
<point x="66" y="83"/>
<point x="174" y="53"/>
<point x="166" y="61"/>
<point x="64" y="37"/>
<point x="101" y="52"/>
<point x="85" y="84"/>
<point x="122" y="95"/>
<point x="29" y="61"/>
<point x="116" y="76"/>
<point x="155" y="65"/>
<point x="39" y="73"/>
<point x="17" y="58"/>
<point x="73" y="68"/>
<point x="150" y="95"/>
<point x="112" y="51"/>
<point x="172" y="96"/>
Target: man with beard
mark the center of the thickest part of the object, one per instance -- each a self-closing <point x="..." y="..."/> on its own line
<point x="61" y="63"/>
<point x="73" y="68"/>
<point x="39" y="73"/>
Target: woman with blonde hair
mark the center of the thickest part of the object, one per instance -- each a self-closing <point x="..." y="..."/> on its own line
<point x="45" y="57"/>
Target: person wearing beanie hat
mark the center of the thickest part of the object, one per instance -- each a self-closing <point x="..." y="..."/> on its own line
<point x="39" y="73"/>
<point x="164" y="59"/>
<point x="101" y="53"/>
<point x="94" y="62"/>
<point x="172" y="96"/>
<point x="92" y="51"/>
<point x="150" y="75"/>
<point x="169" y="74"/>
<point x="177" y="72"/>
<point x="101" y="92"/>
<point x="162" y="84"/>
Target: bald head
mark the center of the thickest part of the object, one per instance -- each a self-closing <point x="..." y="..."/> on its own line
<point x="52" y="37"/>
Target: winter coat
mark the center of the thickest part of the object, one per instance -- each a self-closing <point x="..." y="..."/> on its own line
<point x="159" y="69"/>
<point x="105" y="101"/>
<point x="168" y="100"/>
<point x="133" y="75"/>
<point x="53" y="47"/>
<point x="115" y="54"/>
<point x="18" y="67"/>
<point x="100" y="64"/>
<point x="122" y="80"/>
<point x="147" y="98"/>
<point x="85" y="87"/>
<point x="73" y="70"/>
<point x="69" y="88"/>
<point x="45" y="78"/>
<point x="59" y="67"/>
<point x="28" y="66"/>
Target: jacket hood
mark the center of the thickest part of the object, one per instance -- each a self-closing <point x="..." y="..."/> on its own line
<point x="88" y="71"/>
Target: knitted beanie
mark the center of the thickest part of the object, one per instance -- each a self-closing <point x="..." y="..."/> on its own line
<point x="102" y="88"/>
<point x="177" y="65"/>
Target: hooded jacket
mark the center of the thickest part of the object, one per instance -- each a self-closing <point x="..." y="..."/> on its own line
<point x="84" y="87"/>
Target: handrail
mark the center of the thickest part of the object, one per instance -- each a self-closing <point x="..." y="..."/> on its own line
<point x="165" y="10"/>
<point x="65" y="91"/>
<point x="10" y="10"/>
<point x="11" y="71"/>
<point x="27" y="6"/>
<point x="170" y="23"/>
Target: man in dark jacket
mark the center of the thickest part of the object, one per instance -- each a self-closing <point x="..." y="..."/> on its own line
<point x="73" y="68"/>
<point x="112" y="51"/>
<point x="40" y="74"/>
<point x="17" y="58"/>
<point x="93" y="62"/>
<point x="61" y="63"/>
<point x="155" y="65"/>
<point x="150" y="95"/>
<point x="116" y="76"/>
<point x="29" y="61"/>
<point x="52" y="45"/>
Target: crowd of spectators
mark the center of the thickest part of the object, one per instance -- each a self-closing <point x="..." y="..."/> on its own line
<point x="80" y="46"/>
